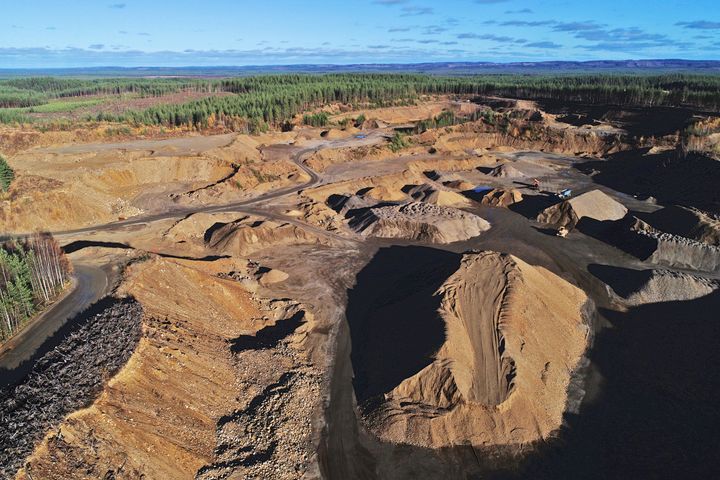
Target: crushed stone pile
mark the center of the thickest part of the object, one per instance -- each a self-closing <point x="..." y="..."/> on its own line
<point x="649" y="244"/>
<point x="670" y="286"/>
<point x="250" y="234"/>
<point x="593" y="204"/>
<point x="343" y="204"/>
<point x="640" y="287"/>
<point x="419" y="221"/>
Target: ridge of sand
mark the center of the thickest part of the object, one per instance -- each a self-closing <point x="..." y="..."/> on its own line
<point x="688" y="222"/>
<point x="657" y="286"/>
<point x="430" y="194"/>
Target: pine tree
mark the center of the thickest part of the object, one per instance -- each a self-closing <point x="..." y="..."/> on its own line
<point x="32" y="273"/>
<point x="7" y="175"/>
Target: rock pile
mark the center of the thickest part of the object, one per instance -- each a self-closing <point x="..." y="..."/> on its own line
<point x="647" y="243"/>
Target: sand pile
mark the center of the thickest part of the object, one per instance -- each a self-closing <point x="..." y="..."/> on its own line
<point x="193" y="227"/>
<point x="250" y="234"/>
<point x="506" y="171"/>
<point x="593" y="204"/>
<point x="514" y="335"/>
<point x="638" y="287"/>
<point x="461" y="185"/>
<point x="647" y="243"/>
<point x="420" y="221"/>
<point x="429" y="194"/>
<point x="688" y="222"/>
<point x="337" y="134"/>
<point x="502" y="197"/>
<point x="382" y="193"/>
<point x="272" y="276"/>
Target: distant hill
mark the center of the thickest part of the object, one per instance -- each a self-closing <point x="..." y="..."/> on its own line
<point x="439" y="68"/>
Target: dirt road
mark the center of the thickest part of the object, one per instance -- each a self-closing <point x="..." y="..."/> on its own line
<point x="89" y="285"/>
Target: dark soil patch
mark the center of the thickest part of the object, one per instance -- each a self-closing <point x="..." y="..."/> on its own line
<point x="577" y="120"/>
<point x="80" y="244"/>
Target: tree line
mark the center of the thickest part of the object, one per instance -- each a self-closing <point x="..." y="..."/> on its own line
<point x="264" y="100"/>
<point x="277" y="98"/>
<point x="33" y="271"/>
<point x="33" y="91"/>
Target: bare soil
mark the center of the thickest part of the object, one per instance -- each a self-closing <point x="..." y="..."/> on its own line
<point x="278" y="341"/>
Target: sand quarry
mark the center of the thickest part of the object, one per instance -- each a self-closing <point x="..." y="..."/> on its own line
<point x="312" y="304"/>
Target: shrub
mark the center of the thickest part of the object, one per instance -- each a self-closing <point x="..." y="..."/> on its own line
<point x="320" y="119"/>
<point x="360" y="120"/>
<point x="398" y="142"/>
<point x="7" y="175"/>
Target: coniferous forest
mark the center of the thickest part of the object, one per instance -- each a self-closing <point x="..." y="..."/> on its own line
<point x="32" y="274"/>
<point x="254" y="103"/>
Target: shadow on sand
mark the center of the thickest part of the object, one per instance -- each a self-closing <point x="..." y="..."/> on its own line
<point x="392" y="313"/>
<point x="656" y="415"/>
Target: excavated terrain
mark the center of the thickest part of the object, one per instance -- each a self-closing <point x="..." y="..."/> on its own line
<point x="316" y="304"/>
<point x="192" y="385"/>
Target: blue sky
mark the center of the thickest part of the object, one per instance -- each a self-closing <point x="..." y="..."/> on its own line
<point x="80" y="33"/>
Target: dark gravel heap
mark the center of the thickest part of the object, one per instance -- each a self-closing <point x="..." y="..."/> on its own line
<point x="67" y="378"/>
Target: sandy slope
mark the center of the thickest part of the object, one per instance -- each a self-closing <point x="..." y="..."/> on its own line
<point x="157" y="416"/>
<point x="514" y="335"/>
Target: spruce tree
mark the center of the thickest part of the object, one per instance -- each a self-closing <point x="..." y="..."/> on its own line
<point x="6" y="175"/>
